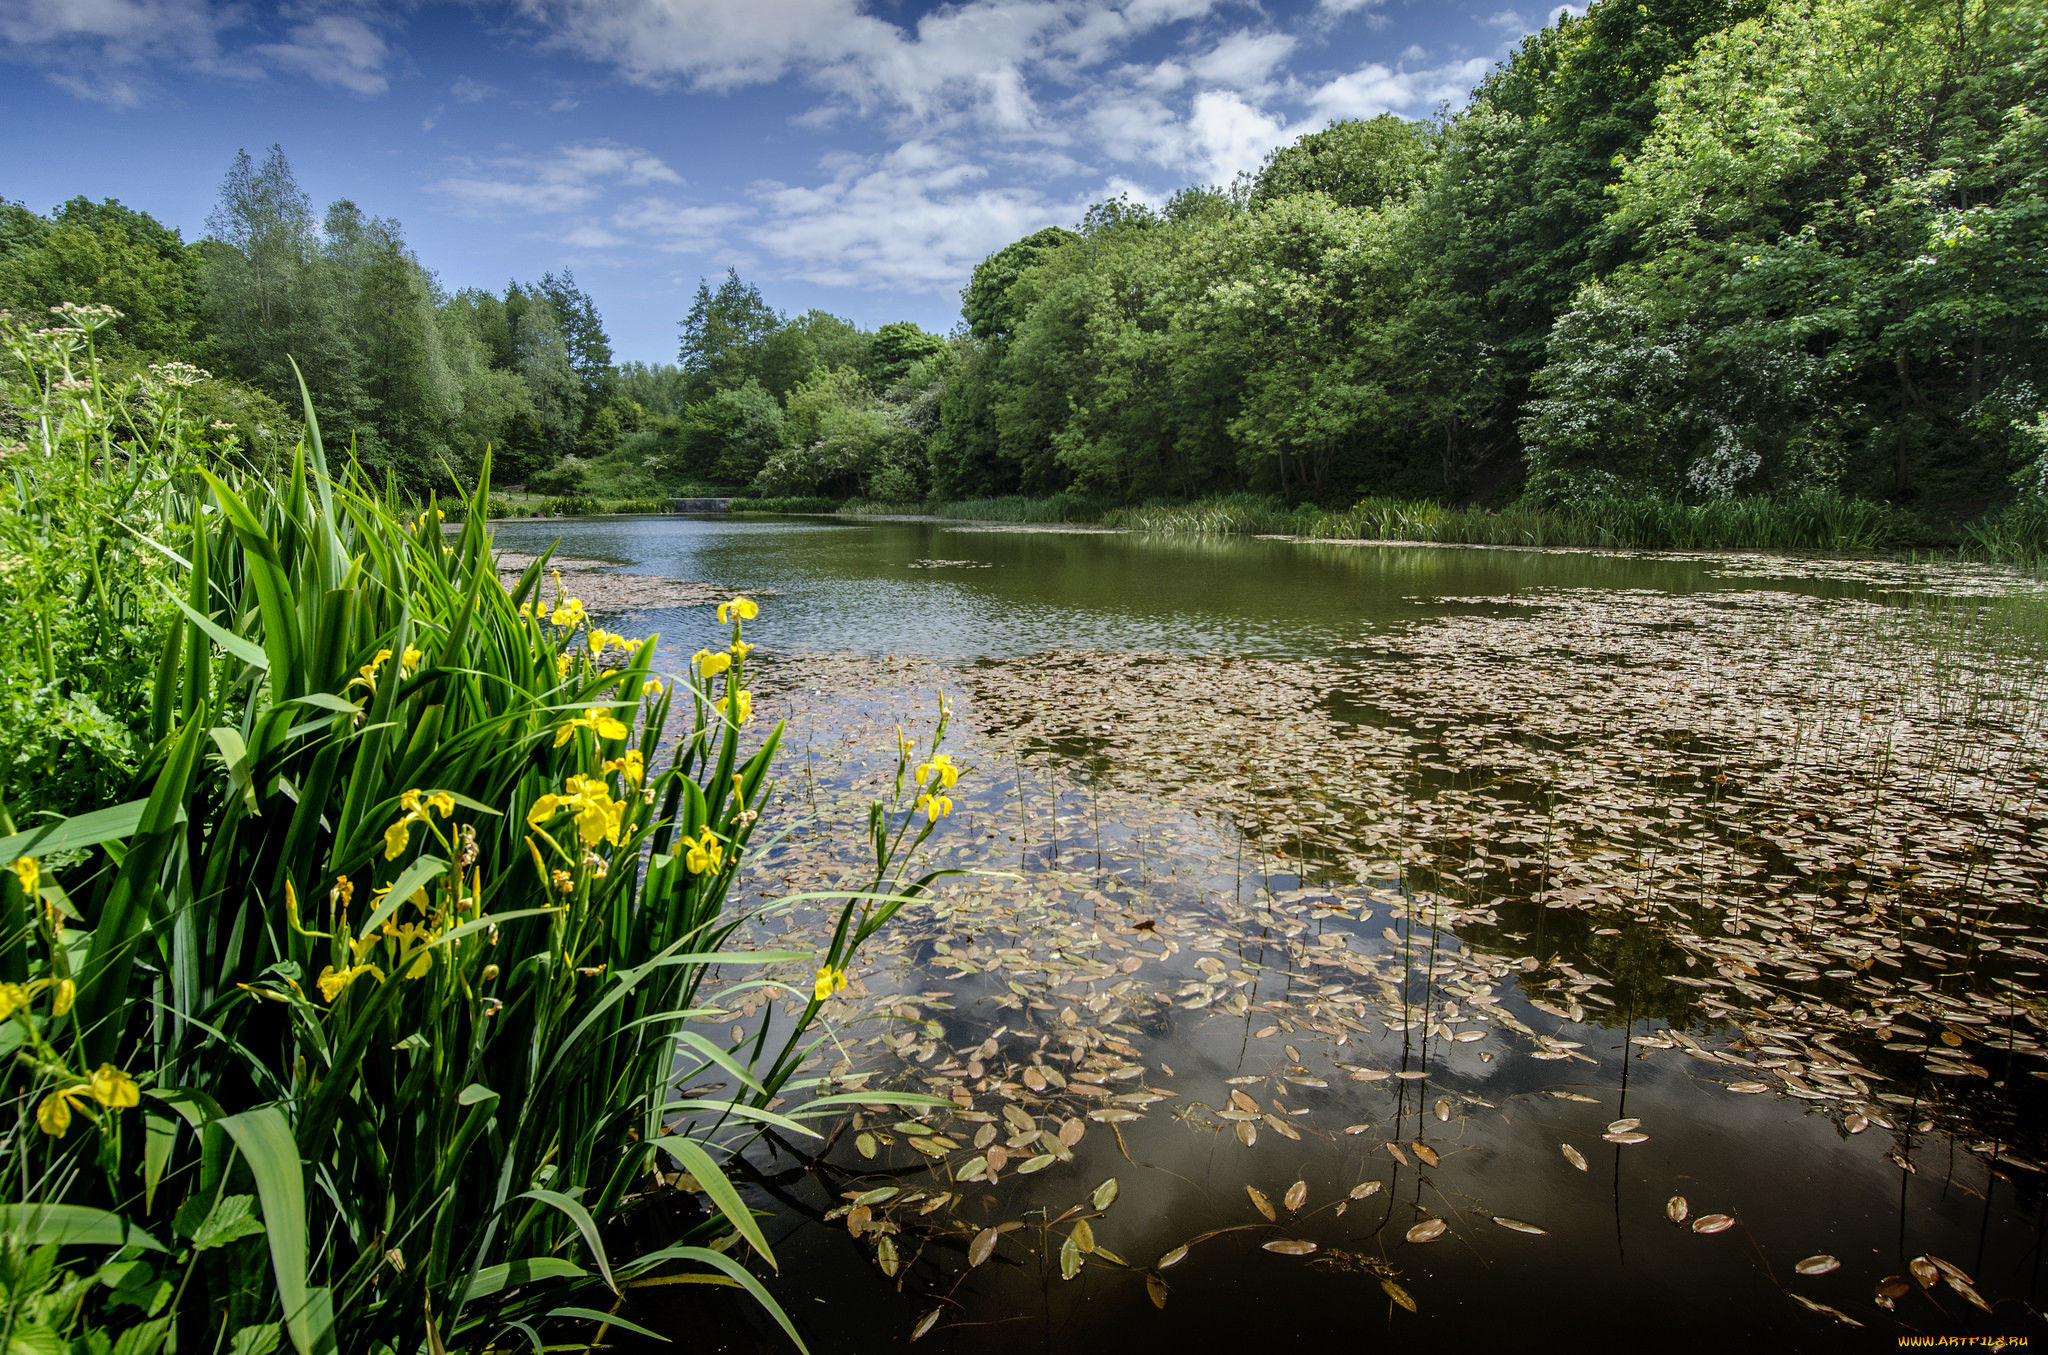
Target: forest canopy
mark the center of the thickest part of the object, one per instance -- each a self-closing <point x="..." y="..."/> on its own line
<point x="1684" y="248"/>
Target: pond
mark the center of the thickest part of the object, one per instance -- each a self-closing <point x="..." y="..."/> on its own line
<point x="1358" y="941"/>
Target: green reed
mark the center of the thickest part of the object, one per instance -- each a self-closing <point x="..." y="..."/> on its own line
<point x="355" y="1022"/>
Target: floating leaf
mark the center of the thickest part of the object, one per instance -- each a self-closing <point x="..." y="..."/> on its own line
<point x="1712" y="1223"/>
<point x="1925" y="1271"/>
<point x="1429" y="1230"/>
<point x="1623" y="1126"/>
<point x="1397" y="1293"/>
<point x="1296" y="1197"/>
<point x="983" y="1247"/>
<point x="1070" y="1259"/>
<point x="1629" y="1136"/>
<point x="1261" y="1203"/>
<point x="1817" y="1265"/>
<point x="1105" y="1194"/>
<point x="1969" y="1292"/>
<point x="878" y="1195"/>
<point x="1172" y="1258"/>
<point x="1520" y="1227"/>
<point x="1365" y="1188"/>
<point x="1156" y="1288"/>
<point x="1290" y="1246"/>
<point x="866" y="1145"/>
<point x="1247" y="1133"/>
<point x="1822" y="1308"/>
<point x="1426" y="1153"/>
<point x="1573" y="1155"/>
<point x="927" y="1322"/>
<point x="1037" y="1164"/>
<point x="1394" y="1151"/>
<point x="886" y="1257"/>
<point x="1443" y="1109"/>
<point x="1675" y="1209"/>
<point x="1084" y="1235"/>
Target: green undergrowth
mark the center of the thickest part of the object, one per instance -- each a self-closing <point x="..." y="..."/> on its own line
<point x="348" y="1011"/>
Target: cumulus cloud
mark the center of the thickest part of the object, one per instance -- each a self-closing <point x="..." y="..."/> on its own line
<point x="574" y="176"/>
<point x="471" y="91"/>
<point x="111" y="50"/>
<point x="918" y="219"/>
<point x="334" y="49"/>
<point x="972" y="62"/>
<point x="1375" y="88"/>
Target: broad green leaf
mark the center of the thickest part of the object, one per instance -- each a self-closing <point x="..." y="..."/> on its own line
<point x="72" y="1225"/>
<point x="585" y="1225"/>
<point x="266" y="1144"/>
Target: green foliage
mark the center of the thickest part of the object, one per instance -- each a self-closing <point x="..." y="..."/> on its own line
<point x="1843" y="233"/>
<point x="357" y="1027"/>
<point x="1368" y="164"/>
<point x="1816" y="520"/>
<point x="102" y="253"/>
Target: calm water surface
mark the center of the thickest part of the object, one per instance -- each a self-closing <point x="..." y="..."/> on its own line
<point x="1608" y="1271"/>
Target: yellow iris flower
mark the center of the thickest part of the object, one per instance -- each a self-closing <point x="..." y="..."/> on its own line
<point x="936" y="806"/>
<point x="567" y="612"/>
<point x="740" y="649"/>
<point x="744" y="608"/>
<point x="30" y="873"/>
<point x="598" y="815"/>
<point x="106" y="1085"/>
<point x="366" y="676"/>
<point x="600" y="722"/>
<point x="414" y="805"/>
<point x="334" y="981"/>
<point x="632" y="766"/>
<point x="409" y="662"/>
<point x="710" y="665"/>
<point x="742" y="702"/>
<point x="828" y="982"/>
<point x="943" y="765"/>
<point x="706" y="852"/>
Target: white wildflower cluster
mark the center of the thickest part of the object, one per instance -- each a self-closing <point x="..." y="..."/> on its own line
<point x="179" y="375"/>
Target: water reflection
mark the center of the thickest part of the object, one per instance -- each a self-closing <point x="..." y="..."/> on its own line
<point x="1228" y="877"/>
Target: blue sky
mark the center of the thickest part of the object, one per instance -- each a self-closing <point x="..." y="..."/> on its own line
<point x="858" y="155"/>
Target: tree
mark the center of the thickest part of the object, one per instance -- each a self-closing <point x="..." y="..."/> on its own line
<point x="1370" y="163"/>
<point x="269" y="299"/>
<point x="896" y="349"/>
<point x="724" y="332"/>
<point x="102" y="253"/>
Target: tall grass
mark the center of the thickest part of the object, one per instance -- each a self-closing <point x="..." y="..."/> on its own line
<point x="1815" y="521"/>
<point x="358" y="1020"/>
<point x="1001" y="508"/>
<point x="2017" y="534"/>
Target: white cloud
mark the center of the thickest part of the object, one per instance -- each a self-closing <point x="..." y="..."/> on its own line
<point x="916" y="219"/>
<point x="574" y="176"/>
<point x="1375" y="88"/>
<point x="109" y="49"/>
<point x="470" y="91"/>
<point x="679" y="229"/>
<point x="974" y="61"/>
<point x="1244" y="60"/>
<point x="335" y="49"/>
<point x="99" y="49"/>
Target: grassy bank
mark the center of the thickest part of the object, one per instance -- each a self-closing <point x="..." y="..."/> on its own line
<point x="1815" y="520"/>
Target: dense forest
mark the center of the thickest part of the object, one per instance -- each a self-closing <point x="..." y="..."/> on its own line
<point x="1686" y="248"/>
